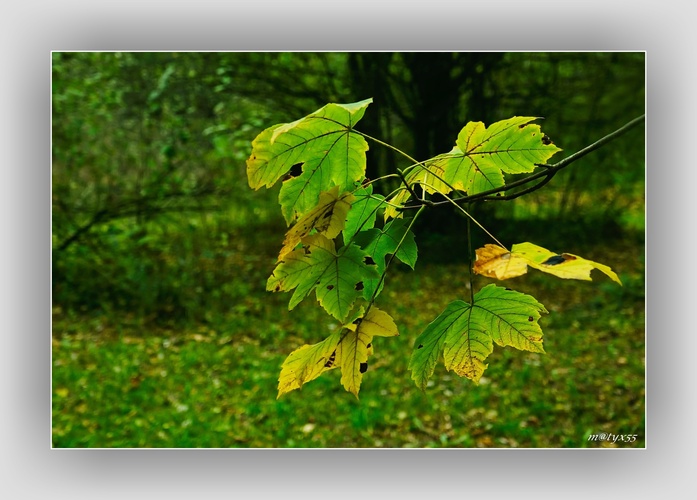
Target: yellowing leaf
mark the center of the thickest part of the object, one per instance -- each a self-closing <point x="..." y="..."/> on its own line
<point x="307" y="363"/>
<point x="324" y="143"/>
<point x="327" y="218"/>
<point x="355" y="347"/>
<point x="347" y="349"/>
<point x="496" y="262"/>
<point x="480" y="158"/>
<point x="464" y="334"/>
<point x="566" y="265"/>
<point x="337" y="277"/>
<point x="422" y="179"/>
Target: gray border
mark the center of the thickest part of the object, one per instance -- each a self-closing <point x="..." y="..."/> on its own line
<point x="31" y="29"/>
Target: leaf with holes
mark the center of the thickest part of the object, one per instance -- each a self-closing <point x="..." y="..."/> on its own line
<point x="327" y="218"/>
<point x="378" y="243"/>
<point x="464" y="334"/>
<point x="348" y="349"/>
<point x="336" y="276"/>
<point x="356" y="346"/>
<point x="324" y="143"/>
<point x="307" y="363"/>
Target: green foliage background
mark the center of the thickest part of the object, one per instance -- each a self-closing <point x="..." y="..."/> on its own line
<point x="163" y="333"/>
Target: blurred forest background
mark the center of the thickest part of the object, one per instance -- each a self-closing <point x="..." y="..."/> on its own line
<point x="163" y="333"/>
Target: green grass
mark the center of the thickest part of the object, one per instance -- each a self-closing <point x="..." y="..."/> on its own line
<point x="123" y="381"/>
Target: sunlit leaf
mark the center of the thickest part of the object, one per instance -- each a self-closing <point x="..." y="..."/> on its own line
<point x="327" y="218"/>
<point x="307" y="363"/>
<point x="337" y="277"/>
<point x="480" y="159"/>
<point x="355" y="347"/>
<point x="464" y="334"/>
<point x="347" y="349"/>
<point x="494" y="261"/>
<point x="497" y="262"/>
<point x="566" y="265"/>
<point x="324" y="143"/>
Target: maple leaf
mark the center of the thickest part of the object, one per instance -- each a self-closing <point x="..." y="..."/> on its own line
<point x="464" y="333"/>
<point x="324" y="143"/>
<point x="480" y="158"/>
<point x="336" y="277"/>
<point x="497" y="262"/>
<point x="347" y="349"/>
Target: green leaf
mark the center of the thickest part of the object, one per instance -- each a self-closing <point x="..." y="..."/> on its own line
<point x="512" y="146"/>
<point x="480" y="158"/>
<point x="378" y="243"/>
<point x="363" y="211"/>
<point x="464" y="333"/>
<point x="324" y="142"/>
<point x="337" y="277"/>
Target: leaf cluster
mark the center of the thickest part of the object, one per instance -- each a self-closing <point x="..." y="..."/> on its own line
<point x="343" y="238"/>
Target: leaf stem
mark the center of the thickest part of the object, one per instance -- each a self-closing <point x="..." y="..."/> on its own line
<point x="392" y="256"/>
<point x="471" y="258"/>
<point x="457" y="205"/>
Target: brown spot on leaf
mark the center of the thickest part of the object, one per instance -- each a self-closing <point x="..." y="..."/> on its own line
<point x="420" y="346"/>
<point x="359" y="286"/>
<point x="554" y="260"/>
<point x="530" y="318"/>
<point x="277" y="289"/>
<point x="546" y="140"/>
<point x="363" y="367"/>
<point x="330" y="287"/>
<point x="330" y="361"/>
<point x="369" y="345"/>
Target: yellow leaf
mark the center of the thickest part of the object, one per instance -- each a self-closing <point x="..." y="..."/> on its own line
<point x="497" y="262"/>
<point x="307" y="363"/>
<point x="356" y="346"/>
<point x="494" y="261"/>
<point x="327" y="218"/>
<point x="566" y="265"/>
